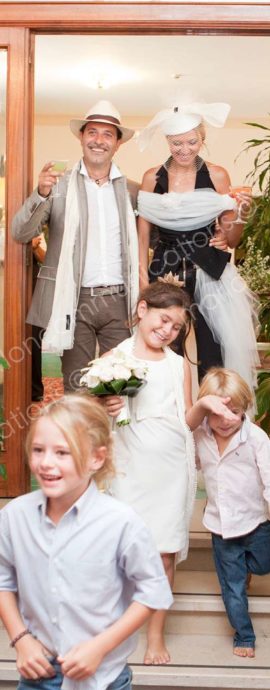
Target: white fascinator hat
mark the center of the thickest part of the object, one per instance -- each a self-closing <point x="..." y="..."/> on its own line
<point x="183" y="118"/>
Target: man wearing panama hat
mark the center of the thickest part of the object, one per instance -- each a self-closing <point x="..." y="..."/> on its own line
<point x="88" y="287"/>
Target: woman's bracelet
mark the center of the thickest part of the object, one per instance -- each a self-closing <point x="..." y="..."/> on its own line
<point x="18" y="637"/>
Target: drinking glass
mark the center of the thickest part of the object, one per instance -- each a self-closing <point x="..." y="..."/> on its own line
<point x="241" y="189"/>
<point x="244" y="206"/>
<point x="60" y="167"/>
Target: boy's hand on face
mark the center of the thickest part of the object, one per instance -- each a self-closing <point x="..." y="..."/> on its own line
<point x="82" y="660"/>
<point x="32" y="659"/>
<point x="218" y="405"/>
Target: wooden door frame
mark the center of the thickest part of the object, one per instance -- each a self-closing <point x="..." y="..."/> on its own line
<point x="19" y="22"/>
<point x="18" y="155"/>
<point x="135" y="17"/>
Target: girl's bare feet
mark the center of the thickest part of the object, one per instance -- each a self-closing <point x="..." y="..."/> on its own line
<point x="244" y="651"/>
<point x="156" y="652"/>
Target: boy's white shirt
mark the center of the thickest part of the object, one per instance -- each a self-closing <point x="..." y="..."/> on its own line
<point x="99" y="557"/>
<point x="237" y="482"/>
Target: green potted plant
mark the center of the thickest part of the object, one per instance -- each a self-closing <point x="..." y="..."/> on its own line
<point x="254" y="254"/>
<point x="258" y="222"/>
<point x="254" y="250"/>
<point x="255" y="269"/>
<point x="3" y="471"/>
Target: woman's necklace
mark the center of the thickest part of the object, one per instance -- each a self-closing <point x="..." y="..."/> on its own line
<point x="181" y="177"/>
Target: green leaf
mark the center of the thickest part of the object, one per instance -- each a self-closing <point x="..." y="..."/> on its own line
<point x="264" y="423"/>
<point x="261" y="177"/>
<point x="124" y="422"/>
<point x="100" y="389"/>
<point x="118" y="385"/>
<point x="4" y="363"/>
<point x="255" y="124"/>
<point x="3" y="471"/>
<point x="255" y="142"/>
<point x="263" y="396"/>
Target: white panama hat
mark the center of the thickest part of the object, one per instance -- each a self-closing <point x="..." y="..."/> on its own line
<point x="102" y="111"/>
<point x="183" y="118"/>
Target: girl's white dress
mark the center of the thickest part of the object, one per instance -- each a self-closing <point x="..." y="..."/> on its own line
<point x="155" y="455"/>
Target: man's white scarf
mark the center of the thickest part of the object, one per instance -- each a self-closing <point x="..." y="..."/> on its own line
<point x="59" y="334"/>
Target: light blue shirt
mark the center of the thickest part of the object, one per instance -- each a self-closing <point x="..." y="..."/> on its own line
<point x="76" y="578"/>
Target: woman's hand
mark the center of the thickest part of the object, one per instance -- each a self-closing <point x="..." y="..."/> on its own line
<point x="244" y="203"/>
<point x="32" y="659"/>
<point x="219" y="240"/>
<point x="113" y="404"/>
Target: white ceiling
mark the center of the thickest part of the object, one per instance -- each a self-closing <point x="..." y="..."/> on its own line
<point x="214" y="68"/>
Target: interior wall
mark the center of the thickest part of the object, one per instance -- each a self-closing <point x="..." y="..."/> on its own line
<point x="54" y="140"/>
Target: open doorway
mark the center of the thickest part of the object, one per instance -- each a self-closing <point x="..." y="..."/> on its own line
<point x="141" y="75"/>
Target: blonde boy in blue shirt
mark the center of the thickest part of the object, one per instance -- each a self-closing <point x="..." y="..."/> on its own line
<point x="78" y="571"/>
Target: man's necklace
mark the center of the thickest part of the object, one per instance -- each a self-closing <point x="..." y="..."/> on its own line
<point x="98" y="180"/>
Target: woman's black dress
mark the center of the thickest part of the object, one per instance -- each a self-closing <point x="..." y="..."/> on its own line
<point x="181" y="252"/>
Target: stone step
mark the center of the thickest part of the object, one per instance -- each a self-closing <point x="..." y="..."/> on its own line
<point x="204" y="661"/>
<point x="197" y="661"/>
<point x="198" y="607"/>
<point x="200" y="557"/>
<point x="206" y="582"/>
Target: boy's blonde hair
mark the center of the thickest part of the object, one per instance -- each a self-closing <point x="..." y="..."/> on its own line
<point x="227" y="383"/>
<point x="85" y="426"/>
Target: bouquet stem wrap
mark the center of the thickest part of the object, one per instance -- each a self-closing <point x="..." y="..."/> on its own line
<point x="124" y="417"/>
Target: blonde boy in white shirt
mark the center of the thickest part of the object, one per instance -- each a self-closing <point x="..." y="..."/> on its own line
<point x="234" y="457"/>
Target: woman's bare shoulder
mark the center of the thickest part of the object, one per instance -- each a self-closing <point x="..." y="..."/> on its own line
<point x="219" y="176"/>
<point x="149" y="178"/>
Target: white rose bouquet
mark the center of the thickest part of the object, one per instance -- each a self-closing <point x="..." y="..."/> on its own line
<point x="116" y="374"/>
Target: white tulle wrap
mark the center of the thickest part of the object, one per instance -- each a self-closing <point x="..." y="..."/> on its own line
<point x="229" y="308"/>
<point x="184" y="211"/>
<point x="231" y="311"/>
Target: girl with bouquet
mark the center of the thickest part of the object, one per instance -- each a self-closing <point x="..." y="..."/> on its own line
<point x="155" y="453"/>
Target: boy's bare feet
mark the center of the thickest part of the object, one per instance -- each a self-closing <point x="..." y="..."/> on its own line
<point x="244" y="651"/>
<point x="156" y="652"/>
